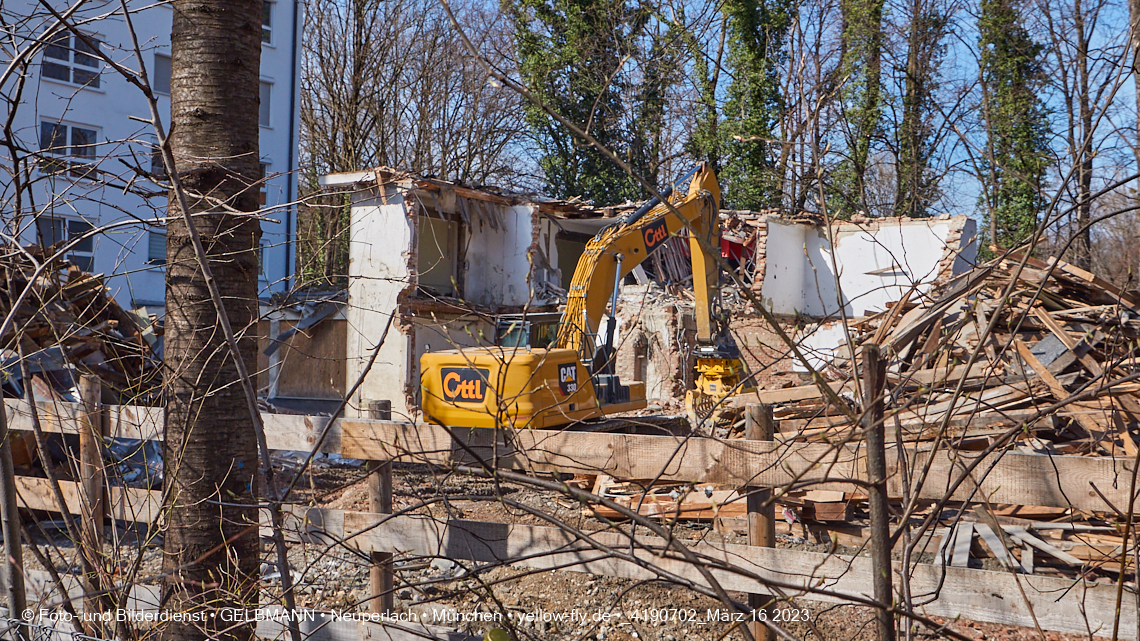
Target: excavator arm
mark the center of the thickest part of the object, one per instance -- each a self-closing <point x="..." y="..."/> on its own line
<point x="568" y="381"/>
<point x="624" y="245"/>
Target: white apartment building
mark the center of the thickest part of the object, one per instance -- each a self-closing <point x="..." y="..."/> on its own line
<point x="84" y="118"/>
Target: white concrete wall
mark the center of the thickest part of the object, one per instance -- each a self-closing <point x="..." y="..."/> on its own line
<point x="501" y="272"/>
<point x="870" y="266"/>
<point x="380" y="235"/>
<point x="122" y="252"/>
<point x="783" y="290"/>
<point x="498" y="273"/>
<point x="497" y="264"/>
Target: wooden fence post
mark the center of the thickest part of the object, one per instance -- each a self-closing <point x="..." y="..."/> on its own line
<point x="380" y="577"/>
<point x="874" y="378"/>
<point x="10" y="515"/>
<point x="760" y="426"/>
<point x="92" y="491"/>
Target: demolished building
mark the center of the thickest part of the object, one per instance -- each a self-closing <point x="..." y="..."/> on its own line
<point x="433" y="265"/>
<point x="801" y="270"/>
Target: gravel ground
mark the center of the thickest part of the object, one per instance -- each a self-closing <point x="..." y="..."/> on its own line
<point x="550" y="605"/>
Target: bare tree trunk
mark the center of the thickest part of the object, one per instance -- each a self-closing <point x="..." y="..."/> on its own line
<point x="1134" y="39"/>
<point x="1082" y="245"/>
<point x="874" y="374"/>
<point x="210" y="448"/>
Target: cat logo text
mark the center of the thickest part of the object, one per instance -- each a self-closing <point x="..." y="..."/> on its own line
<point x="654" y="235"/>
<point x="568" y="378"/>
<point x="464" y="384"/>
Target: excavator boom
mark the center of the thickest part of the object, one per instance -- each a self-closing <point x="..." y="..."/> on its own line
<point x="621" y="247"/>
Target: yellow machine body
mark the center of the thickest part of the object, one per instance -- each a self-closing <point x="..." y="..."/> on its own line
<point x="717" y="378"/>
<point x="512" y="387"/>
<point x="524" y="387"/>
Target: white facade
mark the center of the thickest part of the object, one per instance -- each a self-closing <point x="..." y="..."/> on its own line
<point x="422" y="259"/>
<point x="79" y="106"/>
<point x="877" y="262"/>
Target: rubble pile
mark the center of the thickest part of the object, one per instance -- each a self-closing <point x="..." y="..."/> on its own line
<point x="65" y="322"/>
<point x="1018" y="354"/>
<point x="1062" y="331"/>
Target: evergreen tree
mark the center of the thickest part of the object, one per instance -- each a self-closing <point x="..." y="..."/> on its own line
<point x="862" y="46"/>
<point x="576" y="55"/>
<point x="1016" y="124"/>
<point x="756" y="38"/>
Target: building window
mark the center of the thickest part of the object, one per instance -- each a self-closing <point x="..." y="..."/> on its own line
<point x="75" y="143"/>
<point x="51" y="230"/>
<point x="263" y="112"/>
<point x="83" y="252"/>
<point x="161" y="78"/>
<point x="267" y="22"/>
<point x="69" y="58"/>
<point x="263" y="184"/>
<point x="155" y="248"/>
<point x="437" y="255"/>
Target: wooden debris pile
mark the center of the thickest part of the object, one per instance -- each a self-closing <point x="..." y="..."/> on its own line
<point x="1019" y="354"/>
<point x="65" y="318"/>
<point x="1045" y="344"/>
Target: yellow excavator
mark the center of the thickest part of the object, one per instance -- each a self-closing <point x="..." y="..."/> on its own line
<point x="569" y="377"/>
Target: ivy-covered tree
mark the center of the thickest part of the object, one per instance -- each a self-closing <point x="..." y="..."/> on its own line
<point x="1016" y="124"/>
<point x="756" y="37"/>
<point x="704" y="141"/>
<point x="862" y="98"/>
<point x="916" y="184"/>
<point x="658" y="57"/>
<point x="583" y="58"/>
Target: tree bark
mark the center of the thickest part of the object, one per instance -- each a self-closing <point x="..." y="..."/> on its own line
<point x="1134" y="40"/>
<point x="1082" y="245"/>
<point x="760" y="426"/>
<point x="210" y="446"/>
<point x="874" y="377"/>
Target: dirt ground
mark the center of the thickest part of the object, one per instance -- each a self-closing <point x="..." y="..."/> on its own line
<point x="549" y="605"/>
<point x="649" y="610"/>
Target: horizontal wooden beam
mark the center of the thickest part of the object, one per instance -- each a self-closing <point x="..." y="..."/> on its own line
<point x="282" y="431"/>
<point x="127" y="503"/>
<point x="126" y="421"/>
<point x="1020" y="479"/>
<point x="1057" y="604"/>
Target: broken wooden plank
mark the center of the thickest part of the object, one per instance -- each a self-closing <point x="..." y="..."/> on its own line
<point x="1027" y="539"/>
<point x="963" y="539"/>
<point x="996" y="545"/>
<point x="827" y="511"/>
<point x="1077" y="347"/>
